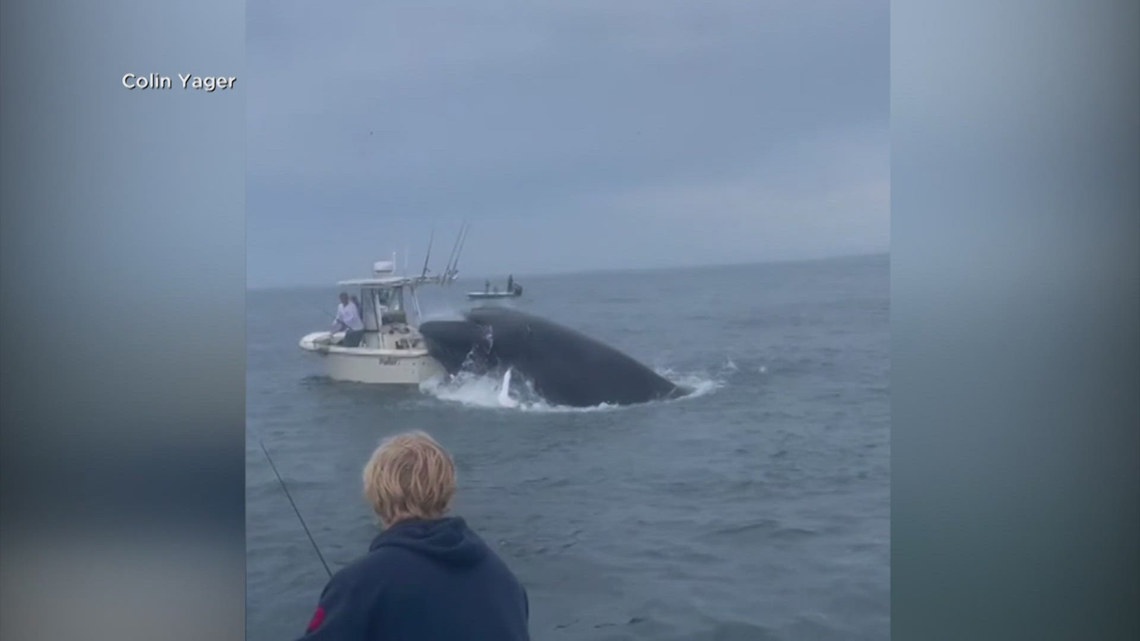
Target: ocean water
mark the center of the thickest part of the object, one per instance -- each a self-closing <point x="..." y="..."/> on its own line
<point x="756" y="509"/>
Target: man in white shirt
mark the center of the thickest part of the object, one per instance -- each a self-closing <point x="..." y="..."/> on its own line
<point x="348" y="319"/>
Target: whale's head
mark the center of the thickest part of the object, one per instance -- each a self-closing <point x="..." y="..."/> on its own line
<point x="487" y="338"/>
<point x="454" y="343"/>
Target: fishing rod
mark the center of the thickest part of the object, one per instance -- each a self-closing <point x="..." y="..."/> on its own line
<point x="335" y="320"/>
<point x="451" y="256"/>
<point x="334" y="316"/>
<point x="423" y="274"/>
<point x="462" y="242"/>
<point x="294" y="504"/>
<point x="453" y="260"/>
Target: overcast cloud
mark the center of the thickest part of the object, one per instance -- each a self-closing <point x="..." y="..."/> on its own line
<point x="573" y="134"/>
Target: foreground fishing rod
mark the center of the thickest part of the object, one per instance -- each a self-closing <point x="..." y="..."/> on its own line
<point x="294" y="504"/>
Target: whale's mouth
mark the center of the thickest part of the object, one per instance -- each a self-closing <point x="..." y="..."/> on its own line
<point x="459" y="345"/>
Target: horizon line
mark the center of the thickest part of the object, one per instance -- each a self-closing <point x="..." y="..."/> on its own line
<point x="620" y="270"/>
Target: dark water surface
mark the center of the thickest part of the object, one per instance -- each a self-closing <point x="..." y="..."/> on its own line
<point x="756" y="509"/>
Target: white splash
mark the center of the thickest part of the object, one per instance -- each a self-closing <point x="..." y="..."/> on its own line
<point x="466" y="389"/>
<point x="698" y="383"/>
<point x="504" y="398"/>
<point x="510" y="392"/>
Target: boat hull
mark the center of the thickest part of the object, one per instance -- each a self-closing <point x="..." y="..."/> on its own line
<point x="372" y="366"/>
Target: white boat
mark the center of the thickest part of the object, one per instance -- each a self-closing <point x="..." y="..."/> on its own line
<point x="392" y="350"/>
<point x="491" y="295"/>
<point x="514" y="291"/>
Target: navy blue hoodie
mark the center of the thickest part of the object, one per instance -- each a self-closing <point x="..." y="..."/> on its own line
<point x="423" y="581"/>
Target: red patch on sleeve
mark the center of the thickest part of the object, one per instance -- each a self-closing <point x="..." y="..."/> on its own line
<point x="318" y="618"/>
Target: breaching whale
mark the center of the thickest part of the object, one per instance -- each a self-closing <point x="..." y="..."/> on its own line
<point x="563" y="366"/>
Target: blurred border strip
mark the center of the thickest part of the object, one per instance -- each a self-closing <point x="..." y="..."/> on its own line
<point x="122" y="322"/>
<point x="1015" y="319"/>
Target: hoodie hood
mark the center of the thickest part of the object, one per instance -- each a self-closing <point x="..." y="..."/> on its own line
<point x="448" y="541"/>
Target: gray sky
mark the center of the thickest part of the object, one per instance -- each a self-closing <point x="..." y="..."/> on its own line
<point x="573" y="134"/>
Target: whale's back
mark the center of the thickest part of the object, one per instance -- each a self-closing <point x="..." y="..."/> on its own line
<point x="568" y="367"/>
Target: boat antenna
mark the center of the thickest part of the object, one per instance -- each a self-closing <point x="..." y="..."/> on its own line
<point x="427" y="257"/>
<point x="294" y="504"/>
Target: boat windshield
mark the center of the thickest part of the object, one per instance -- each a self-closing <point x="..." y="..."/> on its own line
<point x="394" y="299"/>
<point x="391" y="299"/>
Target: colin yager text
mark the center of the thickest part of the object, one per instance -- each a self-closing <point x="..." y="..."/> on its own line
<point x="209" y="84"/>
